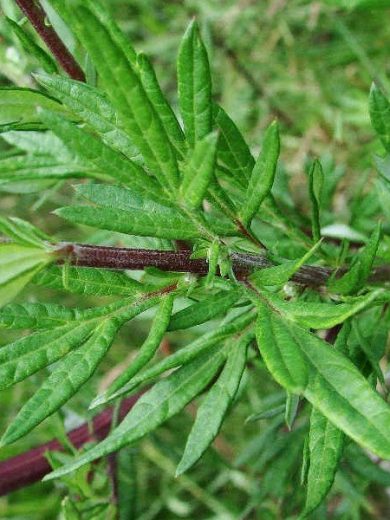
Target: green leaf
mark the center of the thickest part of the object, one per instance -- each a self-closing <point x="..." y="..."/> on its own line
<point x="204" y="310"/>
<point x="290" y="413"/>
<point x="320" y="315"/>
<point x="263" y="173"/>
<point x="194" y="86"/>
<point x="280" y="274"/>
<point x="305" y="364"/>
<point x="20" y="105"/>
<point x="23" y="233"/>
<point x="182" y="356"/>
<point x="18" y="265"/>
<point x="67" y="377"/>
<point x="360" y="269"/>
<point x="148" y="348"/>
<point x="160" y="104"/>
<point x="27" y="355"/>
<point x="36" y="315"/>
<point x="365" y="467"/>
<point x="39" y="143"/>
<point x="199" y="171"/>
<point x="29" y="168"/>
<point x="132" y="217"/>
<point x="32" y="49"/>
<point x="233" y="151"/>
<point x="123" y="86"/>
<point x="103" y="159"/>
<point x="326" y="444"/>
<point x="164" y="400"/>
<point x="380" y="115"/>
<point x="93" y="108"/>
<point x="215" y="405"/>
<point x="89" y="281"/>
<point x="316" y="181"/>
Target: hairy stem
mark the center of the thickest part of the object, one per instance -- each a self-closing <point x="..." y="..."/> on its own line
<point x="181" y="261"/>
<point x="29" y="467"/>
<point x="37" y="16"/>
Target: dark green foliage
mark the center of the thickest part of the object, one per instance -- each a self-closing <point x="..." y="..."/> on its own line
<point x="145" y="180"/>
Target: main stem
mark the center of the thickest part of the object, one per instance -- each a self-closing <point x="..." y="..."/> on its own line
<point x="37" y="16"/>
<point x="244" y="264"/>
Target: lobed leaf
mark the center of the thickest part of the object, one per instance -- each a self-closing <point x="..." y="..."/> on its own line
<point x="182" y="356"/>
<point x="305" y="364"/>
<point x="263" y="173"/>
<point x="64" y="381"/>
<point x="156" y="406"/>
<point x="123" y="86"/>
<point x="215" y="405"/>
<point x="194" y="86"/>
<point x="149" y="347"/>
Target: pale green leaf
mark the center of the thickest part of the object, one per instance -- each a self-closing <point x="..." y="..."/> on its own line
<point x="20" y="105"/>
<point x="194" y="86"/>
<point x="164" y="400"/>
<point x="199" y="170"/>
<point x="263" y="173"/>
<point x="305" y="364"/>
<point x="39" y="143"/>
<point x="67" y="377"/>
<point x="18" y="265"/>
<point x="291" y="410"/>
<point x="215" y="405"/>
<point x="22" y="232"/>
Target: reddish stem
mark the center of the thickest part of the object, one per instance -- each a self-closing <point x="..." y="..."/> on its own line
<point x="37" y="16"/>
<point x="29" y="467"/>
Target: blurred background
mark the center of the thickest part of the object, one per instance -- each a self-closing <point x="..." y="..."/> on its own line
<point x="309" y="64"/>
